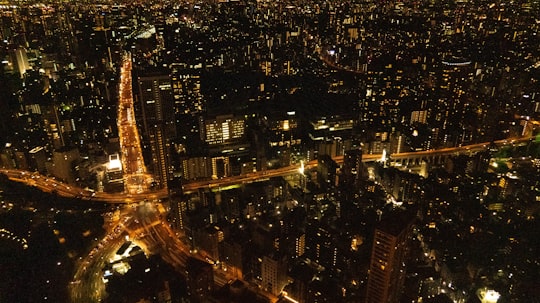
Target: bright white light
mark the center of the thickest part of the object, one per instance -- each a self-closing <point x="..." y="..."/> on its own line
<point x="488" y="295"/>
<point x="114" y="162"/>
<point x="383" y="157"/>
<point x="492" y="296"/>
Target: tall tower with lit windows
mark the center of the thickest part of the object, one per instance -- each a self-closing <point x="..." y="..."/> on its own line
<point x="353" y="168"/>
<point x="157" y="119"/>
<point x="189" y="105"/>
<point x="186" y="88"/>
<point x="388" y="256"/>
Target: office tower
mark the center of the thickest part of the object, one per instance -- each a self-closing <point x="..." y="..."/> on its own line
<point x="388" y="256"/>
<point x="419" y="116"/>
<point x="224" y="129"/>
<point x="21" y="160"/>
<point x="455" y="75"/>
<point x="330" y="127"/>
<point x="229" y="202"/>
<point x="7" y="156"/>
<point x="397" y="143"/>
<point x="302" y="275"/>
<point x="157" y="118"/>
<point x="225" y="135"/>
<point x="20" y="61"/>
<point x="331" y="147"/>
<point x="220" y="167"/>
<point x="189" y="104"/>
<point x="283" y="135"/>
<point x="186" y="89"/>
<point x="293" y="235"/>
<point x="283" y="130"/>
<point x="274" y="274"/>
<point x="379" y="109"/>
<point x="196" y="168"/>
<point x="99" y="40"/>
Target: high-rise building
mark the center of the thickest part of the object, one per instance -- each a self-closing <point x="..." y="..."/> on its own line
<point x="321" y="246"/>
<point x="63" y="162"/>
<point x="7" y="156"/>
<point x="388" y="255"/>
<point x="114" y="175"/>
<point x="232" y="257"/>
<point x="302" y="275"/>
<point x="379" y="109"/>
<point x="178" y="212"/>
<point x="205" y="167"/>
<point x="274" y="274"/>
<point x="158" y="128"/>
<point x="208" y="239"/>
<point x="186" y="89"/>
<point x="38" y="159"/>
<point x="326" y="171"/>
<point x="200" y="279"/>
<point x="299" y="244"/>
<point x="189" y="105"/>
<point x="419" y="116"/>
<point x="352" y="172"/>
<point x="446" y="115"/>
<point x="20" y="61"/>
<point x="224" y="129"/>
<point x="51" y="123"/>
<point x="155" y="96"/>
<point x="225" y="135"/>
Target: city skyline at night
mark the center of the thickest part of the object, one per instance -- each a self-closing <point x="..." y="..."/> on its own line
<point x="261" y="151"/>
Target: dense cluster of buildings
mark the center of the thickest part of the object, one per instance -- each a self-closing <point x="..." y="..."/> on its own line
<point x="227" y="88"/>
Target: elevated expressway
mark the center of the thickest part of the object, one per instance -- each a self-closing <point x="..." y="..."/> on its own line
<point x="434" y="155"/>
<point x="49" y="184"/>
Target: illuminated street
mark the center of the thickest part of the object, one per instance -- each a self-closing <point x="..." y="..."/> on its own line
<point x="141" y="222"/>
<point x="136" y="180"/>
<point x="50" y="184"/>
